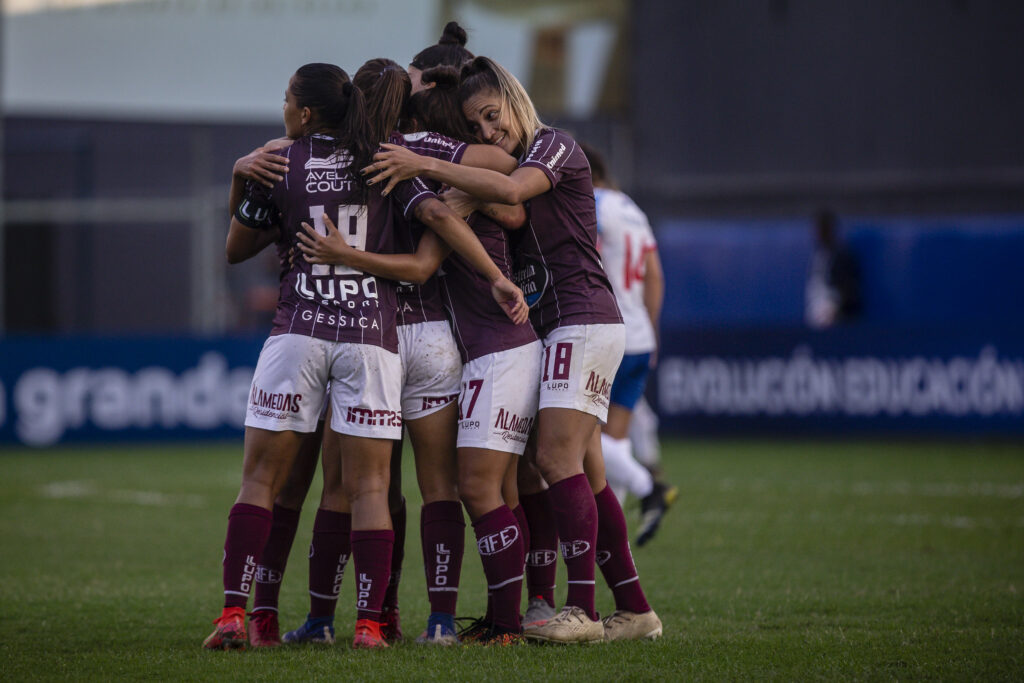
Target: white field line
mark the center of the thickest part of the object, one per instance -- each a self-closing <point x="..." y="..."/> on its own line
<point x="88" y="490"/>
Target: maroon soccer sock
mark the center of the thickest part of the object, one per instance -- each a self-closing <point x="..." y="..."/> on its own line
<point x="398" y="520"/>
<point x="443" y="536"/>
<point x="500" y="542"/>
<point x="524" y="527"/>
<point x="542" y="557"/>
<point x="272" y="564"/>
<point x="614" y="556"/>
<point x="328" y="554"/>
<point x="248" y="528"/>
<point x="575" y="512"/>
<point x="371" y="553"/>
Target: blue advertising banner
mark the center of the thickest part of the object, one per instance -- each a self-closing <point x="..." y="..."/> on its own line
<point x="60" y="389"/>
<point x="710" y="381"/>
<point x="866" y="380"/>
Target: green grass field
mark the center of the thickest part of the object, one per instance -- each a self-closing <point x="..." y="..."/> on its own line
<point x="780" y="560"/>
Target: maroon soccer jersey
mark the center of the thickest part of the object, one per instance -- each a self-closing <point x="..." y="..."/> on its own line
<point x="336" y="303"/>
<point x="557" y="263"/>
<point x="478" y="323"/>
<point x="422" y="303"/>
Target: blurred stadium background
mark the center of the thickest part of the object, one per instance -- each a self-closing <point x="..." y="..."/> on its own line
<point x="729" y="122"/>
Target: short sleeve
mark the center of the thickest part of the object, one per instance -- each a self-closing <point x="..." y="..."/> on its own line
<point x="557" y="154"/>
<point x="257" y="209"/>
<point x="432" y="145"/>
<point x="409" y="194"/>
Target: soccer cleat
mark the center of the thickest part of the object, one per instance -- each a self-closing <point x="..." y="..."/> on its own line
<point x="652" y="508"/>
<point x="476" y="629"/>
<point x="622" y="625"/>
<point x="230" y="631"/>
<point x="263" y="628"/>
<point x="391" y="625"/>
<point x="368" y="635"/>
<point x="571" y="625"/>
<point x="501" y="637"/>
<point x="318" y="630"/>
<point x="440" y="630"/>
<point x="538" y="611"/>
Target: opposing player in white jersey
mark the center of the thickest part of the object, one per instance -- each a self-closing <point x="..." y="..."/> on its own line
<point x="630" y="255"/>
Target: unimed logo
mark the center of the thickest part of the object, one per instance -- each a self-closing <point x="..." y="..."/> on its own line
<point x="493" y="544"/>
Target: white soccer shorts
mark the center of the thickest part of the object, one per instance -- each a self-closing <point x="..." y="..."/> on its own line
<point x="498" y="401"/>
<point x="579" y="364"/>
<point x="292" y="375"/>
<point x="432" y="366"/>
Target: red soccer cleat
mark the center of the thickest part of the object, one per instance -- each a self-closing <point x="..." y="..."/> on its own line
<point x="263" y="629"/>
<point x="230" y="631"/>
<point x="368" y="635"/>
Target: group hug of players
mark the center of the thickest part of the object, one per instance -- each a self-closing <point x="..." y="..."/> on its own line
<point x="394" y="310"/>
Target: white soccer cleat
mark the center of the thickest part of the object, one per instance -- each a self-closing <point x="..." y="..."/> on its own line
<point x="571" y="625"/>
<point x="622" y="625"/>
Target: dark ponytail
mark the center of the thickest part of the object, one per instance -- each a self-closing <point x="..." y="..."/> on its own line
<point x="450" y="49"/>
<point x="338" y="109"/>
<point x="385" y="86"/>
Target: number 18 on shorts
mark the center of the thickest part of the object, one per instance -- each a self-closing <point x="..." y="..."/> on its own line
<point x="578" y="366"/>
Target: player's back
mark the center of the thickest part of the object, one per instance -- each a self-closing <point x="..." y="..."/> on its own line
<point x="625" y="238"/>
<point x="331" y="302"/>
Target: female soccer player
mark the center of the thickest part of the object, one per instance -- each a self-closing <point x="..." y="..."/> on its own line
<point x="331" y="324"/>
<point x="501" y="360"/>
<point x="572" y="305"/>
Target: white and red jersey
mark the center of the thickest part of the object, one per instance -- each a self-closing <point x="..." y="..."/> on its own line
<point x="624" y="239"/>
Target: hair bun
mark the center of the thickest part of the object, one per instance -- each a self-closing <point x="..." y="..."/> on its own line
<point x="442" y="76"/>
<point x="453" y="35"/>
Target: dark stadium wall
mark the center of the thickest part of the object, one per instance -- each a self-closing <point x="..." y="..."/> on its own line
<point x="774" y="105"/>
<point x="98" y="215"/>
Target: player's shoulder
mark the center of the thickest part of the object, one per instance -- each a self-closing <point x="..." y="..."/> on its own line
<point x="430" y="141"/>
<point x="547" y="140"/>
<point x="619" y="204"/>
